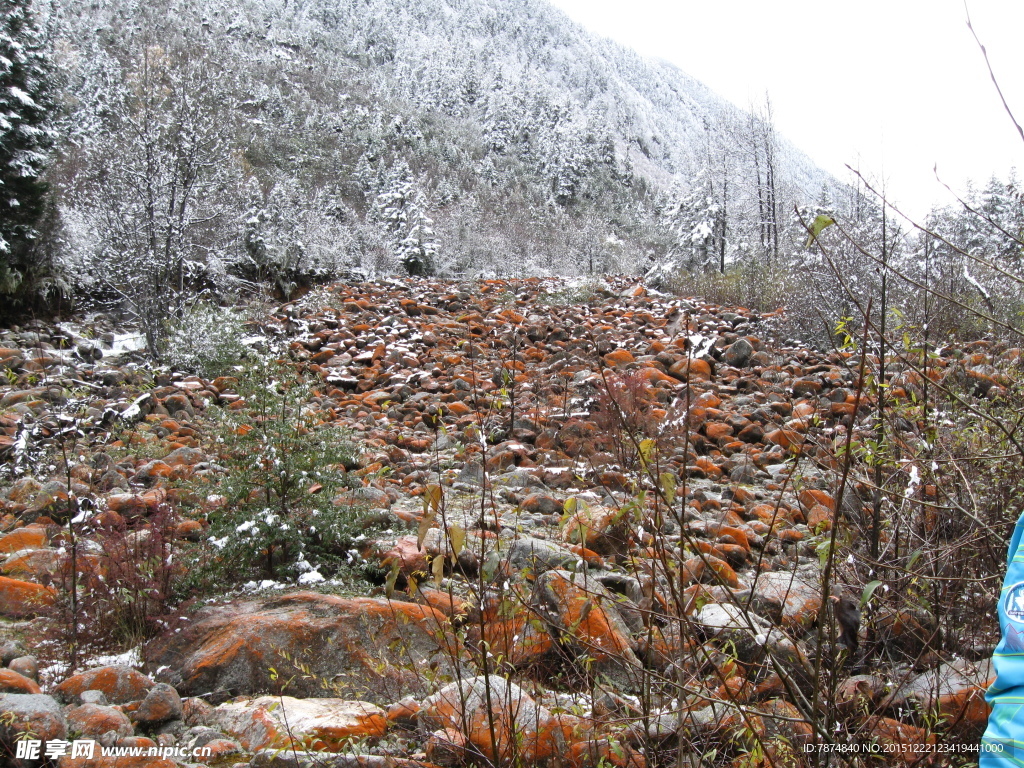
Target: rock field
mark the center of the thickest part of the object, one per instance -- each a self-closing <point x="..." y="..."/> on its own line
<point x="607" y="508"/>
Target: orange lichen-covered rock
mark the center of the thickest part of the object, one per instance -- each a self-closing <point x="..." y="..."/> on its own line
<point x="728" y="534"/>
<point x="327" y="725"/>
<point x="653" y="376"/>
<point x="785" y="438"/>
<point x="120" y="684"/>
<point x="155" y="469"/>
<point x="452" y="606"/>
<point x="718" y="432"/>
<point x="590" y="526"/>
<point x="690" y="369"/>
<point x="602" y="751"/>
<point x="586" y="612"/>
<point x="31" y="564"/>
<point x="376" y="648"/>
<point x="587" y="555"/>
<point x="789" y="598"/>
<point x="447" y="746"/>
<point x="466" y="715"/>
<point x="618" y="358"/>
<point x="904" y="741"/>
<point x="735" y="689"/>
<point x="784" y="730"/>
<point x="93" y="720"/>
<point x="711" y="470"/>
<point x="518" y="640"/>
<point x="732" y="553"/>
<point x="819" y="518"/>
<point x="25" y="713"/>
<point x="842" y="409"/>
<point x="121" y="761"/>
<point x="803" y="409"/>
<point x="588" y="617"/>
<point x="859" y="693"/>
<point x="709" y="400"/>
<point x="662" y="647"/>
<point x="812" y="497"/>
<point x="711" y="570"/>
<point x="161" y="704"/>
<point x="458" y="408"/>
<point x="218" y="749"/>
<point x="19" y="599"/>
<point x="135" y="504"/>
<point x="189" y="530"/>
<point x="12" y="682"/>
<point x="767" y="513"/>
<point x="410" y="558"/>
<point x="29" y="537"/>
<point x="955" y="691"/>
<point x="405" y="711"/>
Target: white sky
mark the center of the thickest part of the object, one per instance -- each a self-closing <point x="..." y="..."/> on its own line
<point x="892" y="86"/>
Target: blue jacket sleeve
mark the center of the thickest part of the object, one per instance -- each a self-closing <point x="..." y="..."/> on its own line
<point x="1002" y="746"/>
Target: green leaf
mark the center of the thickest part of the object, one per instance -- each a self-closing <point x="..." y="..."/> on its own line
<point x="647" y="450"/>
<point x="820" y="223"/>
<point x="869" y="590"/>
<point x="491" y="563"/>
<point x="914" y="557"/>
<point x="570" y="508"/>
<point x="667" y="482"/>
<point x="823" y="550"/>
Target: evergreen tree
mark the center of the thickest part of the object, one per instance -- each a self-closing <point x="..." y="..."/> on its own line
<point x="400" y="208"/>
<point x="417" y="251"/>
<point x="25" y="137"/>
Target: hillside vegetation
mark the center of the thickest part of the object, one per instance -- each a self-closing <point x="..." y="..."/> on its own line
<point x="215" y="150"/>
<point x="213" y="146"/>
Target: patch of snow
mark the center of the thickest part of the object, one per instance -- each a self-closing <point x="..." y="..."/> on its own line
<point x="700" y="345"/>
<point x="255" y="586"/>
<point x="133" y="411"/>
<point x="130" y="658"/>
<point x="970" y="279"/>
<point x="125" y="342"/>
<point x="915" y="480"/>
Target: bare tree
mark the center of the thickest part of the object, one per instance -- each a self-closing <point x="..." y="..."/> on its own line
<point x="157" y="182"/>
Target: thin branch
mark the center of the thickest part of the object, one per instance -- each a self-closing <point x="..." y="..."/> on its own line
<point x="992" y="74"/>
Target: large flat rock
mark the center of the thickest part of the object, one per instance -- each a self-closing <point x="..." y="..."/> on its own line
<point x="309" y="644"/>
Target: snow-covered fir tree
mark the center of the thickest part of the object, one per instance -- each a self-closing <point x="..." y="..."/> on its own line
<point x="25" y="138"/>
<point x="400" y="208"/>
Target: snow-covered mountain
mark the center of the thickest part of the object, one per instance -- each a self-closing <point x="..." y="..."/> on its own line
<point x="284" y="138"/>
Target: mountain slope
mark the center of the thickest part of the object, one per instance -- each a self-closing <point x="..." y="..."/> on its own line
<point x="447" y="135"/>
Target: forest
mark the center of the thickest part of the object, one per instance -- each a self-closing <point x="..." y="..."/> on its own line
<point x="216" y="150"/>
